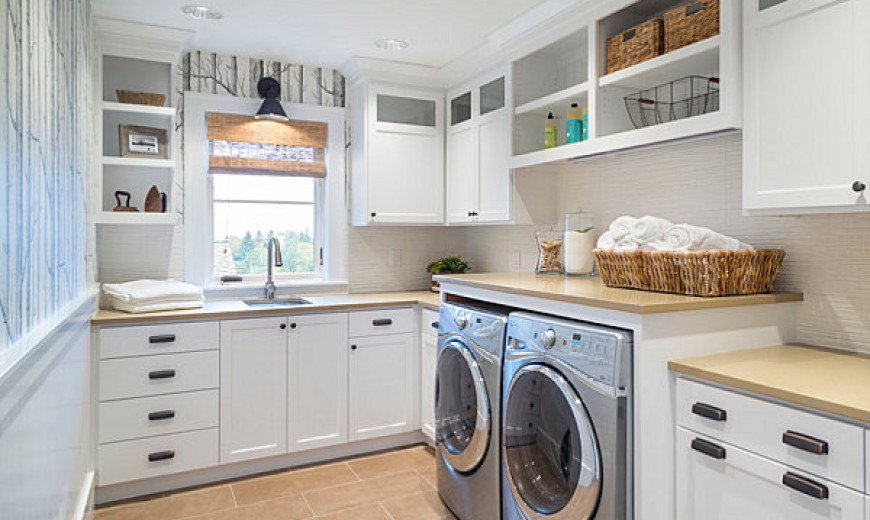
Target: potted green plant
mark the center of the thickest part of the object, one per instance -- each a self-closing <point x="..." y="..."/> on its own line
<point x="447" y="265"/>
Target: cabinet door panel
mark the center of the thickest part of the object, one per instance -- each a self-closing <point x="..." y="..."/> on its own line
<point x="745" y="485"/>
<point x="317" y="379"/>
<point x="494" y="184"/>
<point x="253" y="389"/>
<point x="382" y="377"/>
<point x="429" y="353"/>
<point x="461" y="175"/>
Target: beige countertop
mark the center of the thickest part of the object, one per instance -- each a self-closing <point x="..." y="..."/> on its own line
<point x="832" y="381"/>
<point x="592" y="292"/>
<point x="236" y="308"/>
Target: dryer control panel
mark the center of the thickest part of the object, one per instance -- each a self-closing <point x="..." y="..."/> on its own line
<point x="597" y="351"/>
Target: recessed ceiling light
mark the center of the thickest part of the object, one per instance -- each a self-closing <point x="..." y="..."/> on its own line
<point x="391" y="44"/>
<point x="201" y="12"/>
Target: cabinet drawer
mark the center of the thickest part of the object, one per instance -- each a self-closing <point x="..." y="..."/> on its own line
<point x="156" y="456"/>
<point x="157" y="375"/>
<point x="116" y="342"/>
<point x="378" y="323"/>
<point x="429" y="322"/>
<point x="161" y="415"/>
<point x="825" y="447"/>
<point x="742" y="485"/>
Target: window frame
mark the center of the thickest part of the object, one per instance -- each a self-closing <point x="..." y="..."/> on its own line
<point x="330" y="220"/>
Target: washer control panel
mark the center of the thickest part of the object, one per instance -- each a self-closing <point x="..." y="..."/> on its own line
<point x="596" y="351"/>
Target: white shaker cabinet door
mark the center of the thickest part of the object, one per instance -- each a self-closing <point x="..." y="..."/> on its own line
<point x="317" y="381"/>
<point x="807" y="113"/>
<point x="253" y="392"/>
<point x="494" y="175"/>
<point x="383" y="374"/>
<point x="716" y="481"/>
<point x="429" y="352"/>
<point x="461" y="175"/>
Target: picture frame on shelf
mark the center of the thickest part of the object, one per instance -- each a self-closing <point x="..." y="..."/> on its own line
<point x="143" y="142"/>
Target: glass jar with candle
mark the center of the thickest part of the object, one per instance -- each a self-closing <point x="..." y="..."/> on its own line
<point x="578" y="244"/>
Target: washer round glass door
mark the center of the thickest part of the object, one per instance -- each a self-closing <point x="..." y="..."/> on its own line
<point x="551" y="453"/>
<point x="462" y="414"/>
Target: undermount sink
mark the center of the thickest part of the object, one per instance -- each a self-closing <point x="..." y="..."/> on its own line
<point x="277" y="302"/>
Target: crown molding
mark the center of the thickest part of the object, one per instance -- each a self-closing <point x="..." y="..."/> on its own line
<point x="141" y="41"/>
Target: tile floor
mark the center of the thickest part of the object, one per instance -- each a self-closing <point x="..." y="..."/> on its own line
<point x="394" y="485"/>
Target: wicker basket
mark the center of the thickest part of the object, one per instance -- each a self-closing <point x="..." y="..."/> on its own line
<point x="141" y="98"/>
<point x="638" y="44"/>
<point x="691" y="23"/>
<point x="693" y="273"/>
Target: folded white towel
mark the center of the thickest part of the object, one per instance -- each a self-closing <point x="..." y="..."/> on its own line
<point x="621" y="227"/>
<point x="153" y="291"/>
<point x="154" y="307"/>
<point x="685" y="237"/>
<point x="649" y="229"/>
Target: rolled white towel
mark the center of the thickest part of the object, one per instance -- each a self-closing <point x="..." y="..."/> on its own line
<point x="628" y="242"/>
<point x="606" y="241"/>
<point x="153" y="291"/>
<point x="649" y="229"/>
<point x="621" y="227"/>
<point x="685" y="237"/>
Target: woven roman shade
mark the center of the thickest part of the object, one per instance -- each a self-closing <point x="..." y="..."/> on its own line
<point x="242" y="144"/>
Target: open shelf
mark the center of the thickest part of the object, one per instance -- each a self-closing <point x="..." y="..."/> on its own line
<point x="130" y="108"/>
<point x="137" y="162"/>
<point x="553" y="102"/>
<point x="701" y="58"/>
<point x="141" y="218"/>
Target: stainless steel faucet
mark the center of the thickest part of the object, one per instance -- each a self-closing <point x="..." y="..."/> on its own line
<point x="273" y="247"/>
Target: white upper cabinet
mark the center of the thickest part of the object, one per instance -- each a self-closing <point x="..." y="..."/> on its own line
<point x="478" y="151"/>
<point x="397" y="154"/>
<point x="807" y="111"/>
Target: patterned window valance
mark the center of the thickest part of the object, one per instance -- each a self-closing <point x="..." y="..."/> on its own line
<point x="238" y="144"/>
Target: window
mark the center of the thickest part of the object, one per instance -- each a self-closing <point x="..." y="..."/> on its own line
<point x="249" y="208"/>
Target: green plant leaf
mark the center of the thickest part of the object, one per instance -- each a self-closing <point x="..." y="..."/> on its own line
<point x="587" y="230"/>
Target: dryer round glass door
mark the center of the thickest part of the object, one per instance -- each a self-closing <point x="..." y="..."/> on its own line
<point x="462" y="413"/>
<point x="551" y="453"/>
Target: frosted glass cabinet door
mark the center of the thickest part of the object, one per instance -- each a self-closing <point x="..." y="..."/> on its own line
<point x="807" y="116"/>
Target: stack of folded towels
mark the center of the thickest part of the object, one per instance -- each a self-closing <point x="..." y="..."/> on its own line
<point x="658" y="234"/>
<point x="153" y="295"/>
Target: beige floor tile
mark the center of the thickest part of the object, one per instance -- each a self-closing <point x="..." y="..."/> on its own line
<point x="287" y="508"/>
<point x="392" y="462"/>
<point x="430" y="475"/>
<point x="173" y="507"/>
<point x="334" y="499"/>
<point x="423" y="506"/>
<point x="291" y="483"/>
<point x="369" y="512"/>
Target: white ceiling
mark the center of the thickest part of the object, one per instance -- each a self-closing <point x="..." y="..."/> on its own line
<point x="329" y="32"/>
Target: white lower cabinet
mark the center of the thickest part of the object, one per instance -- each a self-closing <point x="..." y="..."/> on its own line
<point x="317" y="381"/>
<point x="157" y="456"/>
<point x="253" y="388"/>
<point x="717" y="481"/>
<point x="383" y="374"/>
<point x="428" y="357"/>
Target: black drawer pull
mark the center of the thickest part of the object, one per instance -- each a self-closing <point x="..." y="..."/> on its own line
<point x="805" y="442"/>
<point x="162" y="415"/>
<point x="805" y="485"/>
<point x="161" y="455"/>
<point x="161" y="374"/>
<point x="709" y="412"/>
<point x="434" y="324"/>
<point x="165" y="338"/>
<point x="384" y="322"/>
<point x="708" y="448"/>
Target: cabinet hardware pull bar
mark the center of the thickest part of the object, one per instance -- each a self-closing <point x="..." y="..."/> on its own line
<point x="162" y="415"/>
<point x="805" y="485"/>
<point x="382" y="322"/>
<point x="161" y="455"/>
<point x="165" y="338"/>
<point x="161" y="374"/>
<point x="708" y="448"/>
<point x="709" y="412"/>
<point x="805" y="442"/>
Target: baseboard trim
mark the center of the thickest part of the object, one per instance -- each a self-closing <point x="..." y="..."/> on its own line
<point x="84" y="507"/>
<point x="127" y="490"/>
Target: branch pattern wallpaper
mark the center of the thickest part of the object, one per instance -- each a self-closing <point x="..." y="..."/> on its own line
<point x="45" y="115"/>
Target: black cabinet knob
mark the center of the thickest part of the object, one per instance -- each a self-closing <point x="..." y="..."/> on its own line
<point x="858" y="186"/>
<point x="374" y="214"/>
<point x="292" y="325"/>
<point x="353" y="347"/>
<point x="283" y="326"/>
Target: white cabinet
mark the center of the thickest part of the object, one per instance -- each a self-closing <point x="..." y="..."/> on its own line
<point x="383" y="385"/>
<point x="478" y="151"/>
<point x="397" y="154"/>
<point x="253" y="388"/>
<point x="807" y="114"/>
<point x="429" y="355"/>
<point x="317" y="381"/>
<point x="717" y="481"/>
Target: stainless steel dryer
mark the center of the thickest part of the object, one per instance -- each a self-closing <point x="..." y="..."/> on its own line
<point x="566" y="420"/>
<point x="467" y="409"/>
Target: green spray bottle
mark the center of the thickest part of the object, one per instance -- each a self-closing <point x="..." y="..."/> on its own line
<point x="550" y="132"/>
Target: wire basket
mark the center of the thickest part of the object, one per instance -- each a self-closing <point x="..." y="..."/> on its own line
<point x="685" y="97"/>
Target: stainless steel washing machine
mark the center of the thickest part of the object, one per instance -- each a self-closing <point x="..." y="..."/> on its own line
<point x="467" y="409"/>
<point x="566" y="428"/>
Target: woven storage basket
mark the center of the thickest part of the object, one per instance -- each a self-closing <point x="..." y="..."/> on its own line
<point x="638" y="44"/>
<point x="691" y="23"/>
<point x="141" y="98"/>
<point x="693" y="273"/>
